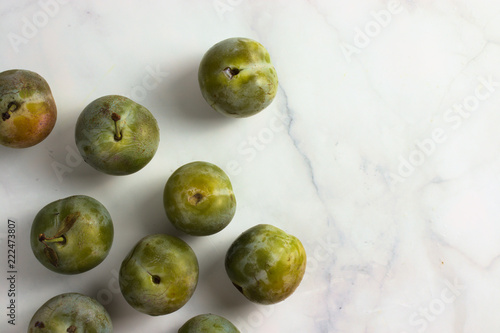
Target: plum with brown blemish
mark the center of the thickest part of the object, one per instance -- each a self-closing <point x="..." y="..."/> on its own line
<point x="72" y="235"/>
<point x="27" y="107"/>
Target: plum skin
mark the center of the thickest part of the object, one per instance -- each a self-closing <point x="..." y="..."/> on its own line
<point x="208" y="323"/>
<point x="159" y="275"/>
<point x="71" y="312"/>
<point x="236" y="77"/>
<point x="95" y="135"/>
<point x="84" y="245"/>
<point x="28" y="109"/>
<point x="266" y="264"/>
<point x="198" y="199"/>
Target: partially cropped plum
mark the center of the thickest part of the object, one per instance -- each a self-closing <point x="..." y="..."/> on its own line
<point x="208" y="323"/>
<point x="27" y="107"/>
<point x="72" y="235"/>
<point x="237" y="78"/>
<point x="116" y="135"/>
<point x="73" y="313"/>
<point x="159" y="275"/>
<point x="198" y="199"/>
<point x="266" y="264"/>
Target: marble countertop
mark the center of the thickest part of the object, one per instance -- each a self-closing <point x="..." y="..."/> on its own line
<point x="380" y="152"/>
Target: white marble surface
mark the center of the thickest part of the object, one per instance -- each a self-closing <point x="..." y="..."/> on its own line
<point x="380" y="152"/>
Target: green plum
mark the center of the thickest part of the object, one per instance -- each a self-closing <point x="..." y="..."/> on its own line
<point x="116" y="135"/>
<point x="27" y="107"/>
<point x="198" y="199"/>
<point x="73" y="313"/>
<point x="208" y="323"/>
<point x="236" y="77"/>
<point x="72" y="235"/>
<point x="159" y="275"/>
<point x="266" y="264"/>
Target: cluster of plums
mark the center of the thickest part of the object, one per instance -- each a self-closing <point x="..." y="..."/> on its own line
<point x="117" y="136"/>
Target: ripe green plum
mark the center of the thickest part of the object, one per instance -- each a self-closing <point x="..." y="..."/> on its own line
<point x="73" y="313"/>
<point x="237" y="78"/>
<point x="27" y="108"/>
<point x="266" y="264"/>
<point x="208" y="323"/>
<point x="198" y="199"/>
<point x="72" y="235"/>
<point x="116" y="135"/>
<point x="159" y="275"/>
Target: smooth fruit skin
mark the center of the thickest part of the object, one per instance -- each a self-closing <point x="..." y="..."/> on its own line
<point x="77" y="234"/>
<point x="208" y="323"/>
<point x="116" y="135"/>
<point x="236" y="77"/>
<point x="27" y="107"/>
<point x="73" y="313"/>
<point x="198" y="199"/>
<point x="159" y="275"/>
<point x="266" y="264"/>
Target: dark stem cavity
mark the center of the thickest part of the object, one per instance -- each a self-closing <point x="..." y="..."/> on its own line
<point x="71" y="329"/>
<point x="230" y="72"/>
<point x="156" y="279"/>
<point x="39" y="324"/>
<point x="196" y="198"/>
<point x="118" y="134"/>
<point x="13" y="106"/>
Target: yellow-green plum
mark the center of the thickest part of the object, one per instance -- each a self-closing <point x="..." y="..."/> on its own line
<point x="116" y="135"/>
<point x="27" y="107"/>
<point x="208" y="322"/>
<point x="73" y="313"/>
<point x="72" y="235"/>
<point x="159" y="275"/>
<point x="266" y="264"/>
<point x="237" y="78"/>
<point x="198" y="199"/>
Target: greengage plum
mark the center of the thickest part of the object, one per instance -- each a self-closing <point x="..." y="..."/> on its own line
<point x="27" y="107"/>
<point x="266" y="264"/>
<point x="73" y="313"/>
<point x="72" y="235"/>
<point x="159" y="275"/>
<point x="237" y="78"/>
<point x="198" y="199"/>
<point x="116" y="135"/>
<point x="208" y="323"/>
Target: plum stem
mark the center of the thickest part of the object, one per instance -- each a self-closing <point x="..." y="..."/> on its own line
<point x="42" y="238"/>
<point x="13" y="106"/>
<point x="118" y="133"/>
